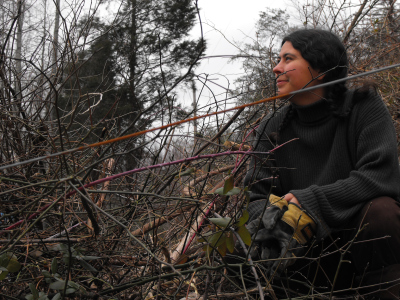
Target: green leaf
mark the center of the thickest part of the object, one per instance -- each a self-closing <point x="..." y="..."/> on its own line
<point x="4" y="260"/>
<point x="232" y="192"/>
<point x="74" y="253"/>
<point x="217" y="239"/>
<point x="244" y="235"/>
<point x="43" y="296"/>
<point x="243" y="219"/>
<point x="29" y="297"/>
<point x="54" y="265"/>
<point x="57" y="285"/>
<point x="70" y="291"/>
<point x="219" y="191"/>
<point x="187" y="172"/>
<point x="73" y="285"/>
<point x="66" y="260"/>
<point x="88" y="257"/>
<point x="87" y="266"/>
<point x="10" y="255"/>
<point x="34" y="291"/>
<point x="13" y="266"/>
<point x="247" y="195"/>
<point x="222" y="222"/>
<point x="230" y="243"/>
<point x="56" y="297"/>
<point x="228" y="185"/>
<point x="3" y="274"/>
<point x="46" y="274"/>
<point x="213" y="242"/>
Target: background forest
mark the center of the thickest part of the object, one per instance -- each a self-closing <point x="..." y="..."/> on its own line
<point x="85" y="214"/>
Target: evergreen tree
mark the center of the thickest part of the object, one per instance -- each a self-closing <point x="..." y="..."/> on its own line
<point x="134" y="63"/>
<point x="154" y="49"/>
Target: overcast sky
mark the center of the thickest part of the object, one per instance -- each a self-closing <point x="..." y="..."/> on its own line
<point x="225" y="22"/>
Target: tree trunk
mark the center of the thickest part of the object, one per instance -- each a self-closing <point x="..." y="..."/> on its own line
<point x="133" y="55"/>
<point x="18" y="54"/>
<point x="54" y="69"/>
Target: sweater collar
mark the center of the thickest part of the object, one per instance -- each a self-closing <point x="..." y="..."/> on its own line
<point x="313" y="112"/>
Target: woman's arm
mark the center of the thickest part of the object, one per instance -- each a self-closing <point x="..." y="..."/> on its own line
<point x="373" y="144"/>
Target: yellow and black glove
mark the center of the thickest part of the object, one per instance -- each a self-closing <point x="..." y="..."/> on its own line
<point x="275" y="208"/>
<point x="281" y="245"/>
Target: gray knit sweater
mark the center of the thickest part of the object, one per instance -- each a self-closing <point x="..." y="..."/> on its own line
<point x="336" y="164"/>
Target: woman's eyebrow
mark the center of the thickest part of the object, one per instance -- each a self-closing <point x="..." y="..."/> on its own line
<point x="288" y="54"/>
<point x="285" y="55"/>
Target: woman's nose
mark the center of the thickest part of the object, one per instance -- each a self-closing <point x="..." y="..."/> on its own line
<point x="277" y="69"/>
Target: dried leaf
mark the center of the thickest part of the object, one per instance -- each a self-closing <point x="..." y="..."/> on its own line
<point x="222" y="248"/>
<point x="181" y="259"/>
<point x="221" y="222"/>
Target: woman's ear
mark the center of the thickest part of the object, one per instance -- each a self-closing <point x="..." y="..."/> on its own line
<point x="320" y="76"/>
<point x="316" y="74"/>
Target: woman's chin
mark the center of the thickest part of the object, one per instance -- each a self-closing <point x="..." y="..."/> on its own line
<point x="281" y="93"/>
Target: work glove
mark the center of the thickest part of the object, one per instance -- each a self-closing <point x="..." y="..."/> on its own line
<point x="276" y="207"/>
<point x="287" y="240"/>
<point x="259" y="222"/>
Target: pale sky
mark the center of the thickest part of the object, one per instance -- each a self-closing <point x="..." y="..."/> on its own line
<point x="225" y="22"/>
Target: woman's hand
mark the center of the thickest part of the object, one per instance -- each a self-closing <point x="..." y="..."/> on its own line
<point x="291" y="198"/>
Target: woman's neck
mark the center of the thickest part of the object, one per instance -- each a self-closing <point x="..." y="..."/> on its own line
<point x="308" y="98"/>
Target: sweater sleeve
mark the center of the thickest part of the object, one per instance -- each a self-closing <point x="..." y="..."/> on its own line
<point x="375" y="174"/>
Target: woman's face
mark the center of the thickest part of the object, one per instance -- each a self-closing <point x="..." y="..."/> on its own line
<point x="293" y="73"/>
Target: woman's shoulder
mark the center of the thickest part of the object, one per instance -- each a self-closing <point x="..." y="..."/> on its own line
<point x="368" y="101"/>
<point x="274" y="118"/>
<point x="368" y="108"/>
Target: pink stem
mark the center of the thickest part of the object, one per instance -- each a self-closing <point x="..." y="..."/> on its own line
<point x="198" y="227"/>
<point x="128" y="173"/>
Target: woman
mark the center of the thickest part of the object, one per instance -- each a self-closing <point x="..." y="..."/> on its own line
<point x="339" y="163"/>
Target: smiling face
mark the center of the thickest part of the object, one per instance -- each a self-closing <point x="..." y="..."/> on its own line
<point x="293" y="73"/>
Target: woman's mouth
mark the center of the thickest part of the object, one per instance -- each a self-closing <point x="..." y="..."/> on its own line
<point x="281" y="82"/>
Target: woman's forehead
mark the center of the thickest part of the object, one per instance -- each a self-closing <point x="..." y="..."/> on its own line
<point x="287" y="48"/>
